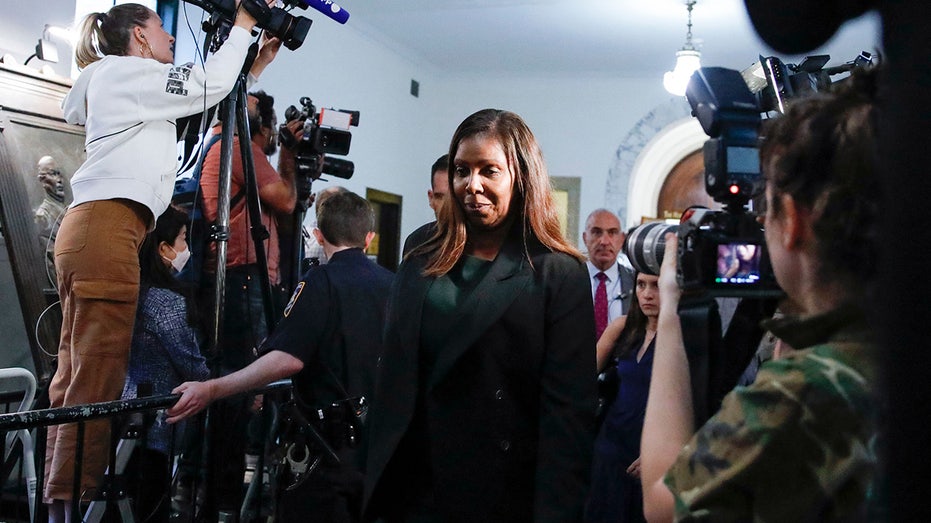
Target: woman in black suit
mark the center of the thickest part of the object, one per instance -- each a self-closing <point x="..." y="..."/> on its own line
<point x="485" y="403"/>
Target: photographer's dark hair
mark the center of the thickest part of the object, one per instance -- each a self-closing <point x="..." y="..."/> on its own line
<point x="154" y="272"/>
<point x="264" y="114"/>
<point x="441" y="164"/>
<point x="823" y="153"/>
<point x="635" y="327"/>
<point x="103" y="34"/>
<point x="345" y="218"/>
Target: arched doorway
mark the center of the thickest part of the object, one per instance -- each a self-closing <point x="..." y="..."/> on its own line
<point x="658" y="168"/>
<point x="684" y="187"/>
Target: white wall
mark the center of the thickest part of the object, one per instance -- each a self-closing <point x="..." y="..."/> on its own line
<point x="579" y="121"/>
<point x="396" y="140"/>
<point x="21" y="27"/>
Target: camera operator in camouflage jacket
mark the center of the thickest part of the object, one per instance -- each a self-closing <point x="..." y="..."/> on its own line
<point x="797" y="444"/>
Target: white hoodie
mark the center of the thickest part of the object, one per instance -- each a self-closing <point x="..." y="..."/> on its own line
<point x="128" y="106"/>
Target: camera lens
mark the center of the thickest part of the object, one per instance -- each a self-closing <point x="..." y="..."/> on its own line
<point x="645" y="246"/>
<point x="338" y="167"/>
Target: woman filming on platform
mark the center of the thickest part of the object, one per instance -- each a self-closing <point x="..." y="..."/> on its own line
<point x="127" y="97"/>
<point x="616" y="494"/>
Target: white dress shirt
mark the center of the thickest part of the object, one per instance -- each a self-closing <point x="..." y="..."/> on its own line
<point x="616" y="294"/>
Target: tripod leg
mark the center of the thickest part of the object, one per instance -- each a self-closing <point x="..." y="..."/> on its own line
<point x="98" y="507"/>
<point x="126" y="511"/>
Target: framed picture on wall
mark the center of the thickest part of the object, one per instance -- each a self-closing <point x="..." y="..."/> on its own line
<point x="567" y="192"/>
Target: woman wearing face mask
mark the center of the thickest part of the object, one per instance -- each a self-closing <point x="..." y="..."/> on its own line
<point x="165" y="349"/>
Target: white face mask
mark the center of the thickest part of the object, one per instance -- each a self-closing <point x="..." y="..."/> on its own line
<point x="181" y="258"/>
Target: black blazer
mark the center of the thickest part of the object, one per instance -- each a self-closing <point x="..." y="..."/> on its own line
<point x="418" y="237"/>
<point x="510" y="402"/>
<point x="628" y="286"/>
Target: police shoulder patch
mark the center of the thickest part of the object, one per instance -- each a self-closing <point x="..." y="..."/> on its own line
<point x="293" y="300"/>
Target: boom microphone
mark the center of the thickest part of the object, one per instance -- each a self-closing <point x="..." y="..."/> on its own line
<point x="327" y="7"/>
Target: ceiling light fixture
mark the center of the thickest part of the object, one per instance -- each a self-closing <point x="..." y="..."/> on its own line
<point x="688" y="59"/>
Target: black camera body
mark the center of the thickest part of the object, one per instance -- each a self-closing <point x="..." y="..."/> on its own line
<point x="290" y="29"/>
<point x="724" y="254"/>
<point x="729" y="114"/>
<point x="325" y="132"/>
<point x="721" y="253"/>
<point x="774" y="82"/>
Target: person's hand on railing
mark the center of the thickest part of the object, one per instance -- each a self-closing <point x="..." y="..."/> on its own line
<point x="195" y="397"/>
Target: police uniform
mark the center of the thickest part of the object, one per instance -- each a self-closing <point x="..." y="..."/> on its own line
<point x="333" y="324"/>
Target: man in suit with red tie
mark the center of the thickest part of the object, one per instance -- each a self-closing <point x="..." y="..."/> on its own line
<point x="612" y="282"/>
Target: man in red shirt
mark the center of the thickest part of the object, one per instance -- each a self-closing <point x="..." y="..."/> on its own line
<point x="244" y="327"/>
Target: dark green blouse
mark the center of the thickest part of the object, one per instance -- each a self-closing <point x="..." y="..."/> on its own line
<point x="442" y="307"/>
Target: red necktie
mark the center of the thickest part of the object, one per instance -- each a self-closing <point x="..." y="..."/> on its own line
<point x="601" y="305"/>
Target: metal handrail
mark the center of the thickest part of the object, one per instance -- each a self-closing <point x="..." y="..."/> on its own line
<point x="45" y="417"/>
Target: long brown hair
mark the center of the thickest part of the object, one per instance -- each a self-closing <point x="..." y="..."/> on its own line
<point x="635" y="328"/>
<point x="108" y="33"/>
<point x="532" y="192"/>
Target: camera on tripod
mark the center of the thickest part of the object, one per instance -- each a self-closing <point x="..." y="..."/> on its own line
<point x="290" y="29"/>
<point x="723" y="253"/>
<point x="326" y="132"/>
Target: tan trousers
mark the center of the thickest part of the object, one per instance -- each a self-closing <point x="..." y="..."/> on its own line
<point x="97" y="261"/>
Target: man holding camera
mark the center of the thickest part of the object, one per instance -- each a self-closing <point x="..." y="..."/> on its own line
<point x="797" y="444"/>
<point x="329" y="341"/>
<point x="278" y="195"/>
<point x="243" y="327"/>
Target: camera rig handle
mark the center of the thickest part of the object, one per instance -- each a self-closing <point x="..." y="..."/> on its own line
<point x="259" y="10"/>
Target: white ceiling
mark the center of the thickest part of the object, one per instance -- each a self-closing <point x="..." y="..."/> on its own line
<point x="613" y="38"/>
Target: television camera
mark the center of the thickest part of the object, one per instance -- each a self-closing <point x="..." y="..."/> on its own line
<point x="276" y="20"/>
<point x="325" y="132"/>
<point x="723" y="253"/>
<point x="290" y="29"/>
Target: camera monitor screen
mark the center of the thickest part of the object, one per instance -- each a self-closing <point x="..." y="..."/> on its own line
<point x="743" y="160"/>
<point x="738" y="263"/>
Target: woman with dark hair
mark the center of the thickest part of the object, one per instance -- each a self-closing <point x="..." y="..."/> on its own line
<point x="484" y="409"/>
<point x="616" y="495"/>
<point x="128" y="96"/>
<point x="165" y="350"/>
<point x="799" y="443"/>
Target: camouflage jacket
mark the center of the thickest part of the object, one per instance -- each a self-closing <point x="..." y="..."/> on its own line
<point x="797" y="444"/>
